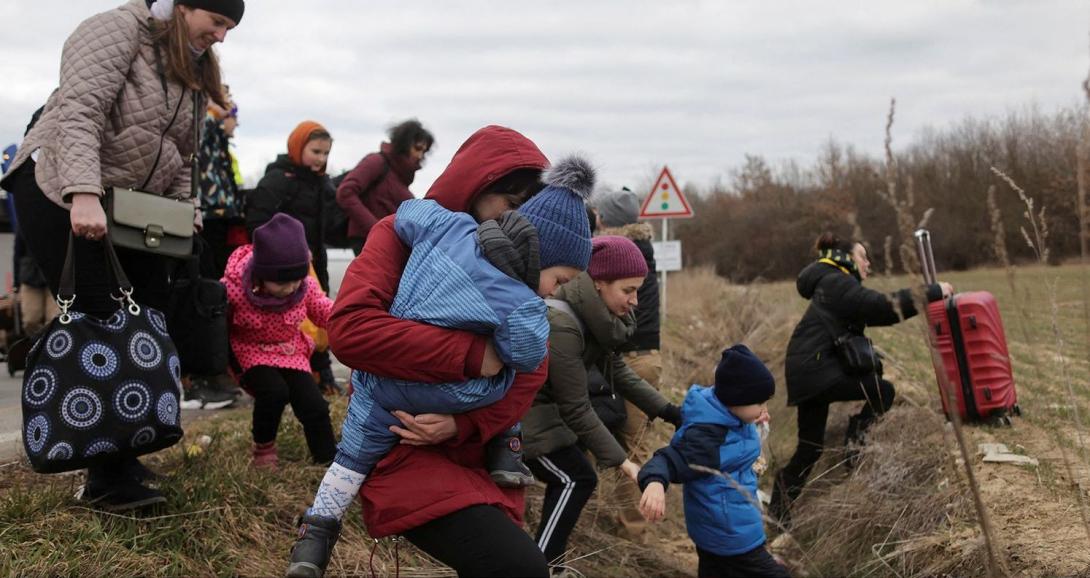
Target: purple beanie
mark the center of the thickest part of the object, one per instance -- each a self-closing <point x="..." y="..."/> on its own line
<point x="614" y="257"/>
<point x="280" y="250"/>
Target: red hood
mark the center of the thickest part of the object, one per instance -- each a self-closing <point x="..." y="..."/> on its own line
<point x="489" y="154"/>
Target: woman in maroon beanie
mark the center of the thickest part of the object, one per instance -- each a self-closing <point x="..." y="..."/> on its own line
<point x="589" y="319"/>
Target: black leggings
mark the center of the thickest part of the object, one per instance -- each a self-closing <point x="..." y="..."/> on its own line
<point x="569" y="482"/>
<point x="480" y="541"/>
<point x="273" y="389"/>
<point x="814" y="412"/>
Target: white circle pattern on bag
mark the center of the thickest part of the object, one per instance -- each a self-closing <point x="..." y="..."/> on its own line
<point x="132" y="401"/>
<point x="158" y="321"/>
<point x="167" y="409"/>
<point x="145" y="351"/>
<point x="60" y="451"/>
<point x="175" y="366"/>
<point x="40" y="386"/>
<point x="117" y="321"/>
<point x="98" y="360"/>
<point x="143" y="437"/>
<point x="100" y="446"/>
<point x="81" y="408"/>
<point x="37" y="433"/>
<point x="59" y="344"/>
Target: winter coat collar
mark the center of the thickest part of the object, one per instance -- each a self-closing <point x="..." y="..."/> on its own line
<point x="598" y="319"/>
<point x="634" y="231"/>
<point x="490" y="154"/>
<point x="701" y="406"/>
<point x="284" y="164"/>
<point x="812" y="274"/>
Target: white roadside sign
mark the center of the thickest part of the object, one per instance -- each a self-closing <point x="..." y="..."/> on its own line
<point x="667" y="255"/>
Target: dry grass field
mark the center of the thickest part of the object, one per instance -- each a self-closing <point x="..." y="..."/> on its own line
<point x="905" y="510"/>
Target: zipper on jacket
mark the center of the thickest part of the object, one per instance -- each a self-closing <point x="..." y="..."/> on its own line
<point x="162" y="137"/>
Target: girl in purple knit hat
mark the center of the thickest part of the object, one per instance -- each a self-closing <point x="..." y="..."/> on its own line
<point x="269" y="295"/>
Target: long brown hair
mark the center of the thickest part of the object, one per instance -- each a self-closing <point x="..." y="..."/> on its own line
<point x="172" y="37"/>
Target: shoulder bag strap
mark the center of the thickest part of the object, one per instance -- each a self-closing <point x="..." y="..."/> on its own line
<point x="564" y="306"/>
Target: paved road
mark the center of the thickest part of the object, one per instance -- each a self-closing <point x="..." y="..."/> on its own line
<point x="11" y="417"/>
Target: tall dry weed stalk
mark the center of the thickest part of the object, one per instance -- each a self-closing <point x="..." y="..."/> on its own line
<point x="999" y="245"/>
<point x="1038" y="242"/>
<point x="907" y="226"/>
<point x="904" y="208"/>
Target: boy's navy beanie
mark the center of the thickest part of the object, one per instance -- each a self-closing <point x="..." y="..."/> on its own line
<point x="741" y="378"/>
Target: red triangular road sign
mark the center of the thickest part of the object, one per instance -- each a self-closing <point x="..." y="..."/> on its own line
<point x="665" y="200"/>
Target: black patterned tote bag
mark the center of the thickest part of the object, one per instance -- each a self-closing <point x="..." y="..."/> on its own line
<point x="98" y="388"/>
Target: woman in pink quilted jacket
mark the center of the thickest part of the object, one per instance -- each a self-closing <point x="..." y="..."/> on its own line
<point x="269" y="295"/>
<point x="122" y="116"/>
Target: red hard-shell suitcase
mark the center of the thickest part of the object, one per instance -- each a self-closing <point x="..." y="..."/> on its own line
<point x="967" y="332"/>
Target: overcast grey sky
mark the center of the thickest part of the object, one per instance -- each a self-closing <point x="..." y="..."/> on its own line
<point x="635" y="84"/>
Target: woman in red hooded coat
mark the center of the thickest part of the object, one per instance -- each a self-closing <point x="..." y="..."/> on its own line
<point x="434" y="489"/>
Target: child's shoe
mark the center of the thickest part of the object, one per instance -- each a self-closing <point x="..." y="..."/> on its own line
<point x="265" y="457"/>
<point x="503" y="457"/>
<point x="314" y="546"/>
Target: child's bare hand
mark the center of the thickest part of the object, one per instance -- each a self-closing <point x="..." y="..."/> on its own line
<point x="630" y="469"/>
<point x="653" y="502"/>
<point x="491" y="365"/>
<point x="764" y="418"/>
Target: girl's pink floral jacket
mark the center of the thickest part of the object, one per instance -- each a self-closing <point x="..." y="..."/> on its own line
<point x="273" y="338"/>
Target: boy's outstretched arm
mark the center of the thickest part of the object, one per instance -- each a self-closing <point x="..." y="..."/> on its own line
<point x="698" y="446"/>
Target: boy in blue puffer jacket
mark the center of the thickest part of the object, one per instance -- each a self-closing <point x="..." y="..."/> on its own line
<point x="489" y="278"/>
<point x="718" y="432"/>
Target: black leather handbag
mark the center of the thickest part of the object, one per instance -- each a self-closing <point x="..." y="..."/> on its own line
<point x="98" y="388"/>
<point x="856" y="351"/>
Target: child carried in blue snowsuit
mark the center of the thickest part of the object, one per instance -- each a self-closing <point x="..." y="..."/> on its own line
<point x="718" y="432"/>
<point x="488" y="278"/>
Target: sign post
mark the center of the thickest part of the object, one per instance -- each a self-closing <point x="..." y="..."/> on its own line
<point x="665" y="201"/>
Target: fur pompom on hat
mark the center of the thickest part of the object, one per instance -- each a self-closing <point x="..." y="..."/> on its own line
<point x="741" y="378"/>
<point x="559" y="213"/>
<point x="233" y="9"/>
<point x="615" y="257"/>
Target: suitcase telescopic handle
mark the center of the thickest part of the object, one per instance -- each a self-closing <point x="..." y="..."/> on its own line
<point x="927" y="257"/>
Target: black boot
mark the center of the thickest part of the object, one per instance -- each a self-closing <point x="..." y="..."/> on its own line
<point x="312" y="550"/>
<point x="503" y="458"/>
<point x="779" y="507"/>
<point x="854" y="438"/>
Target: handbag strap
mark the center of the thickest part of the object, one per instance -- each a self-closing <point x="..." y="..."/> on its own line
<point x="194" y="157"/>
<point x="67" y="294"/>
<point x="825" y="317"/>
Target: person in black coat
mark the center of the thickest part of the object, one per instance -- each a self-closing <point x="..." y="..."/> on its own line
<point x="296" y="184"/>
<point x="839" y="305"/>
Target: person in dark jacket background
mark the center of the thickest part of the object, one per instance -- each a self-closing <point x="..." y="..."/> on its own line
<point x="618" y="214"/>
<point x="380" y="182"/>
<point x="297" y="185"/>
<point x="839" y="304"/>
